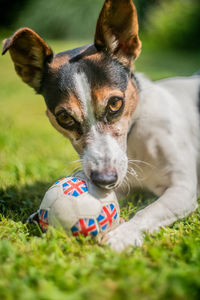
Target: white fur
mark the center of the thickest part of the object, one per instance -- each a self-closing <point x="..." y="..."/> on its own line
<point x="111" y="41"/>
<point x="104" y="153"/>
<point x="84" y="93"/>
<point x="166" y="138"/>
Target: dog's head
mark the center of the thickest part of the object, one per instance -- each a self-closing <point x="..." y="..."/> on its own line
<point x="88" y="91"/>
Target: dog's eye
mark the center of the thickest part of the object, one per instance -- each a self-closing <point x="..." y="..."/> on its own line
<point x="65" y="120"/>
<point x="115" y="104"/>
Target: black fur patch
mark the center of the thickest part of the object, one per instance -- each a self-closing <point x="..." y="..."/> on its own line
<point x="105" y="71"/>
<point x="136" y="82"/>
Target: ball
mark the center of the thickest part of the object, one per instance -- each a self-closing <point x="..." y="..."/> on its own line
<point x="79" y="207"/>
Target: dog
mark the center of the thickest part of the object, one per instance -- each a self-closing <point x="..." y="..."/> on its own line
<point x="118" y="120"/>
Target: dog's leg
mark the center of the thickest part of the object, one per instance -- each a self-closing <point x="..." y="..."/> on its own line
<point x="177" y="202"/>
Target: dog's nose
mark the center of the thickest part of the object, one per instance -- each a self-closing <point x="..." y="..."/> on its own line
<point x="103" y="179"/>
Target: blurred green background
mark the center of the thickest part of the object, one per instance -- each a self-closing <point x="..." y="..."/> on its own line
<point x="174" y="24"/>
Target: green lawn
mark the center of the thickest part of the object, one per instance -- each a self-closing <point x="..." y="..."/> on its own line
<point x="53" y="266"/>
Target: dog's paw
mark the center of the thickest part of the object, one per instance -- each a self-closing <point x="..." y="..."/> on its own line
<point x="125" y="235"/>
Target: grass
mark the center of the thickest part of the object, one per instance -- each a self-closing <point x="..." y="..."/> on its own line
<point x="53" y="266"/>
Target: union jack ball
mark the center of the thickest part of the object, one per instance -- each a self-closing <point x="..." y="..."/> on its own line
<point x="79" y="207"/>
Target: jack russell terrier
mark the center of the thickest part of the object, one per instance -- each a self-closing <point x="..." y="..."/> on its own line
<point x="117" y="119"/>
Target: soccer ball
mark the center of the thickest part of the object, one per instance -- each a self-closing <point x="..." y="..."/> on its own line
<point x="79" y="207"/>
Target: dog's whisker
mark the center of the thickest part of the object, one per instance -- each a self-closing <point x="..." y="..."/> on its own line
<point x="75" y="161"/>
<point x="133" y="173"/>
<point x="125" y="185"/>
<point x="140" y="161"/>
<point x="77" y="166"/>
<point x="128" y="186"/>
<point x="138" y="167"/>
<point x="76" y="169"/>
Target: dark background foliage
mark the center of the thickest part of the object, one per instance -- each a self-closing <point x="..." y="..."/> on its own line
<point x="168" y="23"/>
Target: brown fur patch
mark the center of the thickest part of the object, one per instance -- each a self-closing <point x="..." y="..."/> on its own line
<point x="76" y="139"/>
<point x="73" y="106"/>
<point x="28" y="52"/>
<point x="131" y="99"/>
<point x="119" y="128"/>
<point x="95" y="57"/>
<point x="117" y="30"/>
<point x="59" y="60"/>
<point x="101" y="96"/>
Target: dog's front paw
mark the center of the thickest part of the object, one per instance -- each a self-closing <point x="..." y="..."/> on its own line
<point x="127" y="234"/>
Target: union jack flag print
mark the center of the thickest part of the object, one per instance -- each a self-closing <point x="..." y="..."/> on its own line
<point x="107" y="216"/>
<point x="74" y="187"/>
<point x="85" y="227"/>
<point x="43" y="219"/>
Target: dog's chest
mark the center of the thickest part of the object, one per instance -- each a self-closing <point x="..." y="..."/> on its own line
<point x="148" y="168"/>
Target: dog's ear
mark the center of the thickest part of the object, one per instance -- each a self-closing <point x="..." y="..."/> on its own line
<point x="117" y="30"/>
<point x="30" y="54"/>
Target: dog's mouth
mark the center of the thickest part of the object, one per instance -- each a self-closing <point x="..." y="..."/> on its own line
<point x="108" y="186"/>
<point x="105" y="180"/>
